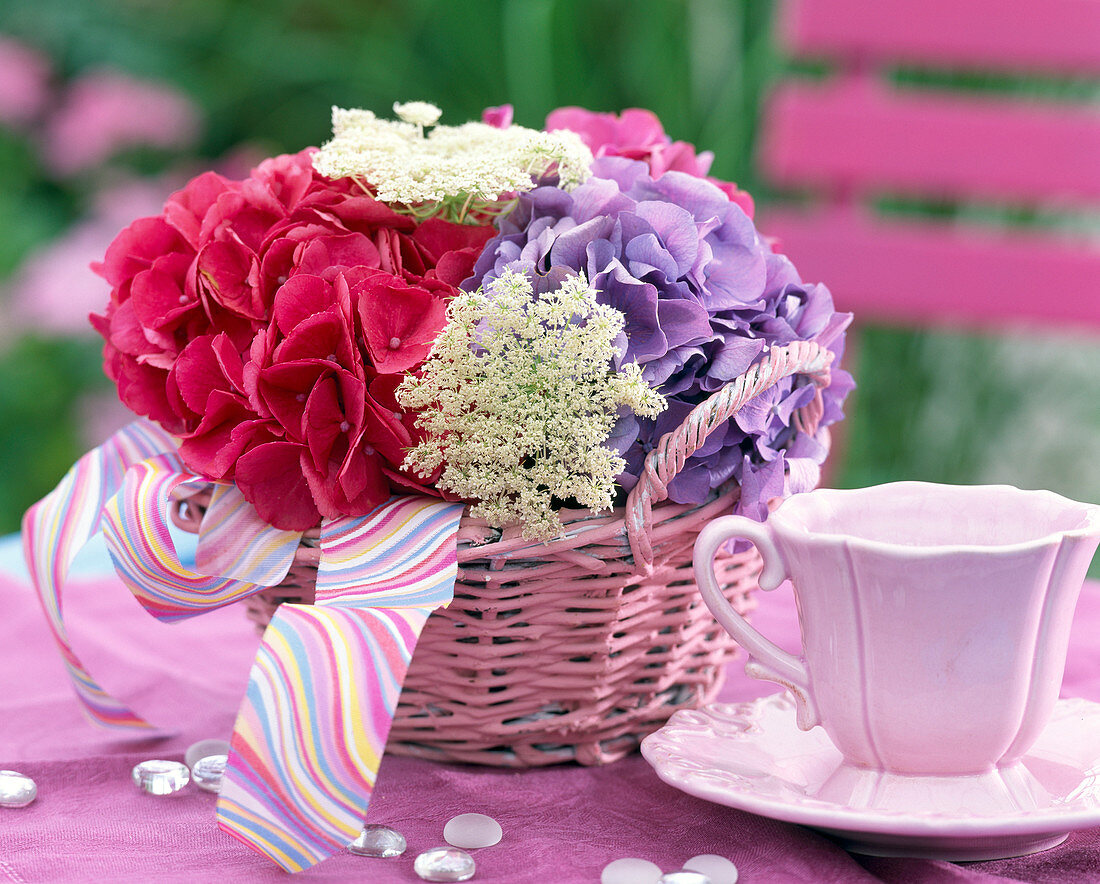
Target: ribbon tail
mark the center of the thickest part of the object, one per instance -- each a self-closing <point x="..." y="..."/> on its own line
<point x="311" y="731"/>
<point x="323" y="690"/>
<point x="57" y="528"/>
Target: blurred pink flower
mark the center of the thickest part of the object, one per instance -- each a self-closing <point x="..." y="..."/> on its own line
<point x="105" y="112"/>
<point x="500" y="116"/>
<point x="54" y="289"/>
<point x="24" y="82"/>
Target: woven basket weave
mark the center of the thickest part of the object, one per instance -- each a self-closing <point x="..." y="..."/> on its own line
<point x="576" y="649"/>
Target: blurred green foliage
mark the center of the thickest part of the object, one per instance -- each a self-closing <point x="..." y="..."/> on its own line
<point x="265" y="73"/>
<point x="268" y="71"/>
<point x="32" y="208"/>
<point x="44" y="382"/>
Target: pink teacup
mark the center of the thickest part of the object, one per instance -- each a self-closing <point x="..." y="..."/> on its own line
<point x="934" y="619"/>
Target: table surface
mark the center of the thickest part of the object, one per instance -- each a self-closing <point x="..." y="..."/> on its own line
<point x="561" y="824"/>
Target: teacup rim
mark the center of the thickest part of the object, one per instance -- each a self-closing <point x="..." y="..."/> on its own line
<point x="1090" y="524"/>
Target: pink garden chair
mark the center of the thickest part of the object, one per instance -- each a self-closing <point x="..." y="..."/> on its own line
<point x="856" y="136"/>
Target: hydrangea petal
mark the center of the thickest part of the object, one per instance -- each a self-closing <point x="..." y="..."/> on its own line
<point x="677" y="231"/>
<point x="685" y="322"/>
<point x="324" y="422"/>
<point x="638" y="302"/>
<point x="400" y="322"/>
<point x="159" y="304"/>
<point x="732" y="355"/>
<point x="197" y="373"/>
<point x="647" y="256"/>
<point x="570" y="248"/>
<point x="185" y="209"/>
<point x="226" y="431"/>
<point x="135" y="249"/>
<point x="324" y="255"/>
<point x="761" y="483"/>
<point x="284" y="388"/>
<point x="320" y="336"/>
<point x="271" y="478"/>
<point x="224" y="268"/>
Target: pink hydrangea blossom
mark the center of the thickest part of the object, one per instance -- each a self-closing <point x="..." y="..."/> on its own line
<point x="638" y="135"/>
<point x="105" y="112"/>
<point x="267" y="322"/>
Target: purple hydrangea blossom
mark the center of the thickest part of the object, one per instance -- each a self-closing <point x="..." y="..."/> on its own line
<point x="703" y="296"/>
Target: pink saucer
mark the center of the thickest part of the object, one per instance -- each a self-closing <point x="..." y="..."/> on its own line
<point x="753" y="757"/>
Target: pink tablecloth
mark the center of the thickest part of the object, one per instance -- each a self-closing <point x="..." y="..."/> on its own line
<point x="562" y="825"/>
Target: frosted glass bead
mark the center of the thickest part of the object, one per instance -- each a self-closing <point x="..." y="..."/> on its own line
<point x="204" y="749"/>
<point x="445" y="864"/>
<point x="630" y="870"/>
<point x="719" y="869"/>
<point x="472" y="830"/>
<point x="160" y="777"/>
<point x="16" y="789"/>
<point x="684" y="876"/>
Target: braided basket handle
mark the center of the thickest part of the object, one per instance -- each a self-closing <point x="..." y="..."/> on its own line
<point x="672" y="451"/>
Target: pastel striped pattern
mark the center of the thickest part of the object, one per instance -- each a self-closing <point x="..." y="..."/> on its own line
<point x="397" y="554"/>
<point x="322" y="693"/>
<point x="310" y="734"/>
<point x="236" y="542"/>
<point x="136" y="530"/>
<point x="55" y="530"/>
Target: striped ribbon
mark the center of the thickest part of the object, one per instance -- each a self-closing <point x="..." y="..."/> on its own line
<point x="145" y="558"/>
<point x="302" y="762"/>
<point x="236" y="542"/>
<point x="323" y="689"/>
<point x="57" y="527"/>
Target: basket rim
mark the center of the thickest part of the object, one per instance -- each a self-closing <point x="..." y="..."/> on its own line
<point x="478" y="540"/>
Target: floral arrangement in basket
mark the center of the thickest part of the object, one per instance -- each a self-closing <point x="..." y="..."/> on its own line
<point x="503" y="372"/>
<point x="272" y="324"/>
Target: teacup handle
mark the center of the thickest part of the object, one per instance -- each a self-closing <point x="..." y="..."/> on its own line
<point x="766" y="660"/>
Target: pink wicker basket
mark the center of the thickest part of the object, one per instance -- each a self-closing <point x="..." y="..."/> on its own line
<point x="576" y="649"/>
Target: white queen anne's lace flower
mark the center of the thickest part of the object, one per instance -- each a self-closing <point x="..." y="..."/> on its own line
<point x="474" y="162"/>
<point x="419" y="113"/>
<point x="519" y="397"/>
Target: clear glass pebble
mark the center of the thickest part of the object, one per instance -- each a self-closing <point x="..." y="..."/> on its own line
<point x="208" y="772"/>
<point x="204" y="749"/>
<point x="630" y="870"/>
<point x="378" y="841"/>
<point x="160" y="777"/>
<point x="719" y="869"/>
<point x="684" y="876"/>
<point x="445" y="864"/>
<point x="471" y="830"/>
<point x="16" y="789"/>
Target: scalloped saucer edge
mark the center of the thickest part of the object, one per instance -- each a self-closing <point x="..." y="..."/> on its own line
<point x="752" y="757"/>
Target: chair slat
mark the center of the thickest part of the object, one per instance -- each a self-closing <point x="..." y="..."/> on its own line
<point x="863" y="137"/>
<point x="1054" y="36"/>
<point x="940" y="275"/>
